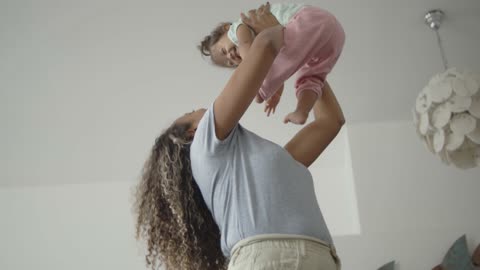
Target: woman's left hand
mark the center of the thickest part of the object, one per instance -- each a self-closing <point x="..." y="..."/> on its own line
<point x="260" y="19"/>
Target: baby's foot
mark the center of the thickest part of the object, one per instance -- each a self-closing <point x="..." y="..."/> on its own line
<point x="258" y="98"/>
<point x="296" y="117"/>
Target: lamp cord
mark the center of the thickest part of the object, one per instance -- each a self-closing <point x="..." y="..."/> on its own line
<point x="442" y="52"/>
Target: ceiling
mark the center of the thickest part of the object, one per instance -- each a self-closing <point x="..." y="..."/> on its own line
<point x="73" y="73"/>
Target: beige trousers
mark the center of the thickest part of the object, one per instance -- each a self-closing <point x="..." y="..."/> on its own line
<point x="283" y="252"/>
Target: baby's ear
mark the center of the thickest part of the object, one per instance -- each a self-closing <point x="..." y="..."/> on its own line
<point x="191" y="133"/>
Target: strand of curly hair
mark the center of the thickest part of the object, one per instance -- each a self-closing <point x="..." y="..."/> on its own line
<point x="172" y="216"/>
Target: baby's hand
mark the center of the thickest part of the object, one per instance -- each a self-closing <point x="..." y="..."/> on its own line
<point x="273" y="101"/>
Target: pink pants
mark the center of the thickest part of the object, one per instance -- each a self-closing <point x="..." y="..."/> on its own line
<point x="313" y="42"/>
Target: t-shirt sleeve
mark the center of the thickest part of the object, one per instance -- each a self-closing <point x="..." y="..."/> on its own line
<point x="232" y="32"/>
<point x="205" y="139"/>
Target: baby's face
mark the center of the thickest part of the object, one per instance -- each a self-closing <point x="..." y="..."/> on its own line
<point x="225" y="53"/>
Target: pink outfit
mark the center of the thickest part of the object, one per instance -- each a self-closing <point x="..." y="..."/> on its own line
<point x="313" y="41"/>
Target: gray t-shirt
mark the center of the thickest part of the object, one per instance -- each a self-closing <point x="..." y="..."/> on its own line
<point x="253" y="186"/>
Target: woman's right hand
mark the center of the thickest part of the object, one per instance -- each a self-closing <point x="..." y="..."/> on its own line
<point x="260" y="19"/>
<point x="265" y="24"/>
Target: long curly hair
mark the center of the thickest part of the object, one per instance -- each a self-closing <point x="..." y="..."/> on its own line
<point x="172" y="216"/>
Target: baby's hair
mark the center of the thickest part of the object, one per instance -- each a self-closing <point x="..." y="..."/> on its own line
<point x="210" y="40"/>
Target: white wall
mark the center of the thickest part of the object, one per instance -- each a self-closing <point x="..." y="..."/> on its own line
<point x="411" y="209"/>
<point x="335" y="187"/>
<point x="90" y="225"/>
<point x="411" y="206"/>
<point x="87" y="226"/>
<point x="85" y="86"/>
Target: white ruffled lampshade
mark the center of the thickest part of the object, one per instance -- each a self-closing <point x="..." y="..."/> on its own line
<point x="447" y="117"/>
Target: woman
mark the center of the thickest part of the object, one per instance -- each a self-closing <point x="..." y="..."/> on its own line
<point x="215" y="195"/>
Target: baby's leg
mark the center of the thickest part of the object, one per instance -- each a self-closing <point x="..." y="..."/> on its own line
<point x="311" y="76"/>
<point x="313" y="42"/>
<point x="305" y="102"/>
<point x="305" y="35"/>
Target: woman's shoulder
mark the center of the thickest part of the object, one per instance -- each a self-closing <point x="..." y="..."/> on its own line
<point x="206" y="142"/>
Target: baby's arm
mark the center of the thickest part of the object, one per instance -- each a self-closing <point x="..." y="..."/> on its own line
<point x="273" y="101"/>
<point x="245" y="39"/>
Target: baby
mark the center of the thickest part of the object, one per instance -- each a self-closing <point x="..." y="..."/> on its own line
<point x="313" y="42"/>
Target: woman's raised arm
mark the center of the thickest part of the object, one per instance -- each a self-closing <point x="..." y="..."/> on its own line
<point x="246" y="80"/>
<point x="307" y="145"/>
